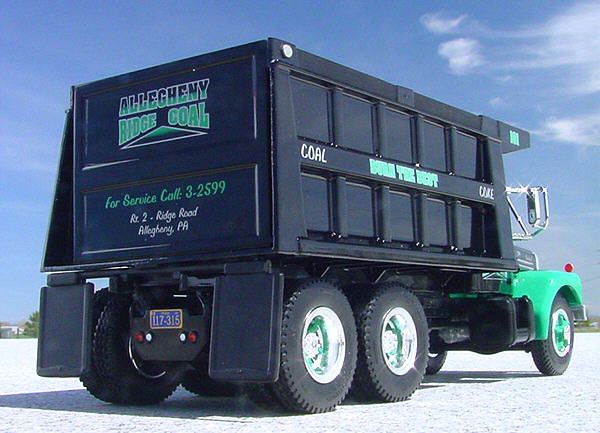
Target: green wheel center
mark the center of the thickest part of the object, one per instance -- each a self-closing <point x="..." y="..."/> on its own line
<point x="316" y="345"/>
<point x="399" y="341"/>
<point x="393" y="341"/>
<point x="323" y="344"/>
<point x="561" y="332"/>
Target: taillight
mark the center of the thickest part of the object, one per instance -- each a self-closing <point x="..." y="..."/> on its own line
<point x="139" y="337"/>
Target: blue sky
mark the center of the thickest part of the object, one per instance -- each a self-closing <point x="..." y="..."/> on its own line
<point x="535" y="64"/>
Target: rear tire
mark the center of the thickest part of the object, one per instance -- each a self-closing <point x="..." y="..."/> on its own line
<point x="261" y="394"/>
<point x="318" y="349"/>
<point x="435" y="362"/>
<point x="197" y="381"/>
<point x="90" y="379"/>
<point x="393" y="342"/>
<point x="124" y="382"/>
<point x="553" y="355"/>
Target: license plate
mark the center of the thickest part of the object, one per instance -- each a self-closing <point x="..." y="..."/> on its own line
<point x="166" y="319"/>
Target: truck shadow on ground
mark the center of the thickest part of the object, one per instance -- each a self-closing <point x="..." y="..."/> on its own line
<point x="181" y="405"/>
<point x="187" y="406"/>
<point x="467" y="377"/>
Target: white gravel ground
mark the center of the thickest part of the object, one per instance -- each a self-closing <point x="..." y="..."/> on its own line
<point x="473" y="393"/>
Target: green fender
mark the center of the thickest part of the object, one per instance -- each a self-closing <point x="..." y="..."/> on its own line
<point x="541" y="287"/>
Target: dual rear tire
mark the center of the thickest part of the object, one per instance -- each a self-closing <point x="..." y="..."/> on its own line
<point x="324" y="350"/>
<point x="393" y="345"/>
<point x="197" y="381"/>
<point x="318" y="349"/>
<point x="117" y="375"/>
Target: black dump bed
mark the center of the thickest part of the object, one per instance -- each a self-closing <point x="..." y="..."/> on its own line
<point x="266" y="150"/>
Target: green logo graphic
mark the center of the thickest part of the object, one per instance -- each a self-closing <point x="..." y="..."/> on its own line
<point x="165" y="114"/>
<point x="514" y="137"/>
<point x="403" y="173"/>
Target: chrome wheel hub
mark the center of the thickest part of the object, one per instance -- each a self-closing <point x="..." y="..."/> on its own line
<point x="323" y="344"/>
<point x="399" y="341"/>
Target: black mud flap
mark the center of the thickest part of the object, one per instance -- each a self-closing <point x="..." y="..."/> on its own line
<point x="246" y="325"/>
<point x="65" y="330"/>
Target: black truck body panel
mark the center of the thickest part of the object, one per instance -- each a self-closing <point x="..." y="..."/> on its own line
<point x="206" y="159"/>
<point x="248" y="153"/>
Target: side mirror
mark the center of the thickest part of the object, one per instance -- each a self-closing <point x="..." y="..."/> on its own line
<point x="533" y="207"/>
<point x="538" y="218"/>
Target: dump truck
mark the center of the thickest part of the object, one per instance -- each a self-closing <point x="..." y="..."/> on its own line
<point x="270" y="221"/>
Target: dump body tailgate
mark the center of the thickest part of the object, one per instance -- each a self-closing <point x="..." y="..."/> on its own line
<point x="173" y="160"/>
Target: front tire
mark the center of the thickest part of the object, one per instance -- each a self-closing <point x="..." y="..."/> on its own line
<point x="553" y="355"/>
<point x="318" y="349"/>
<point x="393" y="343"/>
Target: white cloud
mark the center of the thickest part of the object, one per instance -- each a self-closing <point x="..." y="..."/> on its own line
<point x="503" y="78"/>
<point x="437" y="23"/>
<point x="567" y="44"/>
<point x="581" y="130"/>
<point x="497" y="101"/>
<point x="570" y="41"/>
<point x="463" y="55"/>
